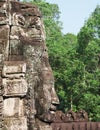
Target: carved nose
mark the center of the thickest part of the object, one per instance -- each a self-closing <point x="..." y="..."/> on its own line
<point x="55" y="101"/>
<point x="54" y="97"/>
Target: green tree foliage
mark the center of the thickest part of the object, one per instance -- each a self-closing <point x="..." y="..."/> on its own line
<point x="90" y="31"/>
<point x="75" y="60"/>
<point x="89" y="53"/>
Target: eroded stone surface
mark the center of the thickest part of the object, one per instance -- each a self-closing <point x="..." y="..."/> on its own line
<point x="16" y="87"/>
<point x="15" y="123"/>
<point x="4" y="41"/>
<point x="28" y="98"/>
<point x="70" y="116"/>
<point x="14" y="69"/>
<point x="76" y="126"/>
<point x="13" y="107"/>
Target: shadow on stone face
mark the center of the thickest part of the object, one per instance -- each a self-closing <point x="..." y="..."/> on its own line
<point x="28" y="96"/>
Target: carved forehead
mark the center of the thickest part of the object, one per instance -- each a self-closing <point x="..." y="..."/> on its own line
<point x="16" y="6"/>
<point x="8" y="10"/>
<point x="25" y="9"/>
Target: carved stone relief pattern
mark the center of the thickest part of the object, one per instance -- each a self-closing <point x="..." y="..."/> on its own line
<point x="27" y="96"/>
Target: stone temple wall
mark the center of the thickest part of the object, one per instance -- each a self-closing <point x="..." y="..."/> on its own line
<point x="73" y="121"/>
<point x="27" y="96"/>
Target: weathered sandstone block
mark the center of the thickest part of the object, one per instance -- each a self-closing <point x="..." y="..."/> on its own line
<point x="28" y="98"/>
<point x="15" y="87"/>
<point x="14" y="69"/>
<point x="4" y="42"/>
<point x="13" y="107"/>
<point x="16" y="48"/>
<point x="15" y="123"/>
<point x="4" y="15"/>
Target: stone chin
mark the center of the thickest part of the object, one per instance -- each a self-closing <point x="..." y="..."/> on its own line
<point x="46" y="107"/>
<point x="47" y="116"/>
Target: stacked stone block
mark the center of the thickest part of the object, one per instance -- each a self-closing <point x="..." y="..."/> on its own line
<point x="27" y="95"/>
<point x="22" y="44"/>
<point x="14" y="24"/>
<point x="15" y="88"/>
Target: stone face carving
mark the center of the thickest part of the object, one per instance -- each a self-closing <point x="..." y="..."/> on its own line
<point x="27" y="95"/>
<point x="45" y="96"/>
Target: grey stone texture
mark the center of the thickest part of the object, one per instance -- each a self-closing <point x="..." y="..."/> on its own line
<point x="27" y="95"/>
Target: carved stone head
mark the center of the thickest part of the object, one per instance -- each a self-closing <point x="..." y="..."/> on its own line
<point x="46" y="98"/>
<point x="27" y="78"/>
